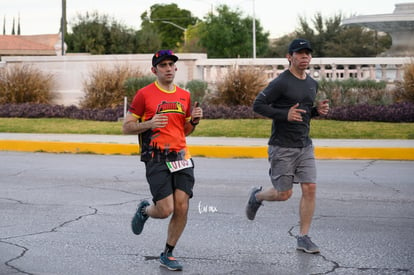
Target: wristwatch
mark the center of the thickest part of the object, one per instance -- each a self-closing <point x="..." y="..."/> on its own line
<point x="194" y="123"/>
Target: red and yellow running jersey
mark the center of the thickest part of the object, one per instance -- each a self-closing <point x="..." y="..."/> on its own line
<point x="167" y="143"/>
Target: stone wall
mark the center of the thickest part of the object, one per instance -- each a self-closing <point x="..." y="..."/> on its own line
<point x="71" y="71"/>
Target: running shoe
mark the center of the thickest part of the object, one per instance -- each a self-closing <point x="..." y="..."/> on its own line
<point x="139" y="219"/>
<point x="252" y="204"/>
<point x="168" y="261"/>
<point x="306" y="245"/>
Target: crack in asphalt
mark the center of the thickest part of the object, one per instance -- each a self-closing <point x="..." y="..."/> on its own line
<point x="210" y="259"/>
<point x="13" y="200"/>
<point x="109" y="189"/>
<point x="378" y="270"/>
<point x="9" y="264"/>
<point x="359" y="172"/>
<point x="18" y="173"/>
<point x="54" y="229"/>
<point x="336" y="265"/>
<point x="6" y="240"/>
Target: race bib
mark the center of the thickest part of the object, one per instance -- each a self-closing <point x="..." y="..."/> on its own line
<point x="178" y="165"/>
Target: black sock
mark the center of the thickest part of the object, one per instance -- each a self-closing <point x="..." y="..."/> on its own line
<point x="168" y="248"/>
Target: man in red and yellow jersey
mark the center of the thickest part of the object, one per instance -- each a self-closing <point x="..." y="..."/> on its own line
<point x="162" y="115"/>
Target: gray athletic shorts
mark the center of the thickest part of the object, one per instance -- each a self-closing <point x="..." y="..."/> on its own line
<point x="162" y="182"/>
<point x="291" y="165"/>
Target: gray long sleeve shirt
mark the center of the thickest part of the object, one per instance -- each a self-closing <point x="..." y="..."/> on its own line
<point x="275" y="101"/>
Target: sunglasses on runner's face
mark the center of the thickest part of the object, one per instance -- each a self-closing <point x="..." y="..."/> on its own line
<point x="164" y="52"/>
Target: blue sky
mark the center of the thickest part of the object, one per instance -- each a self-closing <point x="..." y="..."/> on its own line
<point x="43" y="17"/>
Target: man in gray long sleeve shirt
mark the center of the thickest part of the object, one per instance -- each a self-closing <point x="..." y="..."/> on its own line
<point x="289" y="101"/>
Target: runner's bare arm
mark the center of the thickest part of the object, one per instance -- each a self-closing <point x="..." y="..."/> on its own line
<point x="132" y="126"/>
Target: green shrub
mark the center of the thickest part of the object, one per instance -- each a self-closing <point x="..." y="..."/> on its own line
<point x="105" y="87"/>
<point x="133" y="84"/>
<point x="240" y="86"/>
<point x="25" y="84"/>
<point x="198" y="89"/>
<point x="354" y="92"/>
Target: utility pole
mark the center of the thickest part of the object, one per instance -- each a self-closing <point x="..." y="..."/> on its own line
<point x="179" y="27"/>
<point x="254" y="32"/>
<point x="63" y="26"/>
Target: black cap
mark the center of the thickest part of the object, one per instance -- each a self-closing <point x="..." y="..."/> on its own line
<point x="299" y="44"/>
<point x="163" y="55"/>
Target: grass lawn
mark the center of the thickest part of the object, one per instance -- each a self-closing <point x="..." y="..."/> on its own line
<point x="255" y="128"/>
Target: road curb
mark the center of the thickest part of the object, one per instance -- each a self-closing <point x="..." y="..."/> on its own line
<point x="214" y="151"/>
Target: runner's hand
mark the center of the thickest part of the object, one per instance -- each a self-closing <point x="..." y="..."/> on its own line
<point x="197" y="113"/>
<point x="159" y="121"/>
<point x="323" y="107"/>
<point x="295" y="114"/>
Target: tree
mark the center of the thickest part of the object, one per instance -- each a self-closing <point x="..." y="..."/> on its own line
<point x="354" y="41"/>
<point x="227" y="34"/>
<point x="147" y="39"/>
<point x="169" y="22"/>
<point x="262" y="38"/>
<point x="18" y="26"/>
<point x="279" y="46"/>
<point x="193" y="39"/>
<point x="330" y="38"/>
<point x="13" y="32"/>
<point x="100" y="34"/>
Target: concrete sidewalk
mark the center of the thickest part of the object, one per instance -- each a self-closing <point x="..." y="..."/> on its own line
<point x="220" y="147"/>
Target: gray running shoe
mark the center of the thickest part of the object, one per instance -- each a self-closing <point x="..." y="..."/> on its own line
<point x="306" y="245"/>
<point x="252" y="204"/>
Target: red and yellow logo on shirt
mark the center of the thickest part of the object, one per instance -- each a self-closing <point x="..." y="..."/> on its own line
<point x="166" y="107"/>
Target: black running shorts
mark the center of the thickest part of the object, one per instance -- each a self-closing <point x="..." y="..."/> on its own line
<point x="162" y="182"/>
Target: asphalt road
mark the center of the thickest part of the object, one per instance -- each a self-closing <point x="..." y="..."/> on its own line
<point x="70" y="214"/>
